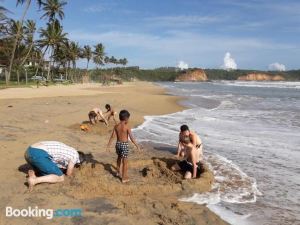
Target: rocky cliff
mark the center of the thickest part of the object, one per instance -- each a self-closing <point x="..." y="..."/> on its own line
<point x="260" y="77"/>
<point x="192" y="75"/>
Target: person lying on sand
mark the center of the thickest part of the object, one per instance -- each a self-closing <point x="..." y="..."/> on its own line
<point x="96" y="115"/>
<point x="47" y="158"/>
<point x="191" y="166"/>
<point x="195" y="140"/>
<point x="110" y="112"/>
<point x="122" y="131"/>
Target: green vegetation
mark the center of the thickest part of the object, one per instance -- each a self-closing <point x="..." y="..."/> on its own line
<point x="169" y="74"/>
<point x="23" y="53"/>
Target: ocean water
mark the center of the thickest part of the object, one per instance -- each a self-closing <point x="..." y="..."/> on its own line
<point x="251" y="136"/>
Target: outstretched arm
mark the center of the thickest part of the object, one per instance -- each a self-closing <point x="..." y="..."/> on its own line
<point x="110" y="139"/>
<point x="132" y="139"/>
<point x="70" y="168"/>
<point x="179" y="147"/>
<point x="103" y="118"/>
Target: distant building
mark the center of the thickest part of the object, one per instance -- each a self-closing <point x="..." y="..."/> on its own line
<point x="2" y="70"/>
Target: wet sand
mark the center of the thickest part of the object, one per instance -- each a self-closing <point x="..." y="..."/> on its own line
<point x="29" y="115"/>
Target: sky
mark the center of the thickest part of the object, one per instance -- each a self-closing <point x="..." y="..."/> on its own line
<point x="245" y="34"/>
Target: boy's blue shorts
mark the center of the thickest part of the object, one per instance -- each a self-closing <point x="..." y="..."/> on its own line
<point x="41" y="161"/>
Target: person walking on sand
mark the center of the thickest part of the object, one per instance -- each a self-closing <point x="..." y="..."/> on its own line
<point x="96" y="115"/>
<point x="123" y="131"/>
<point x="195" y="140"/>
<point x="110" y="112"/>
<point x="191" y="166"/>
<point x="48" y="159"/>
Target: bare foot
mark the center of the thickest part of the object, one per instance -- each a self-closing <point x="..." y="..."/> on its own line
<point x="125" y="181"/>
<point x="31" y="183"/>
<point x="31" y="173"/>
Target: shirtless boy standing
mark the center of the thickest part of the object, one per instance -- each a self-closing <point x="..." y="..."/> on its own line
<point x="123" y="132"/>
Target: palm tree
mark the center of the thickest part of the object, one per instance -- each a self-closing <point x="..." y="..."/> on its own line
<point x="19" y="56"/>
<point x="52" y="37"/>
<point x="61" y="56"/>
<point x="53" y="9"/>
<point x="74" y="52"/>
<point x="123" y="61"/>
<point x="99" y="54"/>
<point x="2" y="12"/>
<point x="87" y="54"/>
<point x="30" y="28"/>
<point x="13" y="28"/>
<point x="16" y="38"/>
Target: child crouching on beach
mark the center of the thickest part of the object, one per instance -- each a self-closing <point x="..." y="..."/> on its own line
<point x="123" y="131"/>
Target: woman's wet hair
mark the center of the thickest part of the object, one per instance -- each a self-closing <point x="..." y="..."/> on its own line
<point x="184" y="128"/>
<point x="124" y="115"/>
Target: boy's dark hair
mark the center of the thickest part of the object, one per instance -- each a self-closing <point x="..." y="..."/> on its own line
<point x="184" y="128"/>
<point x="107" y="106"/>
<point x="124" y="115"/>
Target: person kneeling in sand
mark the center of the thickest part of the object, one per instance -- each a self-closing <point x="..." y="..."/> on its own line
<point x="195" y="140"/>
<point x="123" y="132"/>
<point x="191" y="166"/>
<point x="110" y="112"/>
<point x="96" y="115"/>
<point x="47" y="158"/>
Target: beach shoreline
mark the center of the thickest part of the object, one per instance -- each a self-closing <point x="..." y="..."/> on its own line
<point x="55" y="113"/>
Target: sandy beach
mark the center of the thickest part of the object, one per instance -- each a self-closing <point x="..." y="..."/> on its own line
<point x="34" y="114"/>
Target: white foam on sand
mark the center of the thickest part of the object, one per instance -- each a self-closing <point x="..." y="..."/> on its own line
<point x="247" y="133"/>
<point x="231" y="185"/>
<point x="264" y="84"/>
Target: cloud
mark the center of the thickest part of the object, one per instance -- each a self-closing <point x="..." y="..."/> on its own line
<point x="182" y="65"/>
<point x="154" y="50"/>
<point x="181" y="20"/>
<point x="175" y="41"/>
<point x="94" y="9"/>
<point x="229" y="62"/>
<point x="277" y="66"/>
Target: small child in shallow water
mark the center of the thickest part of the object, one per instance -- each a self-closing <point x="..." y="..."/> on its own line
<point x="123" y="131"/>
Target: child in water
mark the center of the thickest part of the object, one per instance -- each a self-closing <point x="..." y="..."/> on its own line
<point x="123" y="131"/>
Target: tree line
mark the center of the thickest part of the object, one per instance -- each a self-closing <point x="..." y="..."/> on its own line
<point x="24" y="47"/>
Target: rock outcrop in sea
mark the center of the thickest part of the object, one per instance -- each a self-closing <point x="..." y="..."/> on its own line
<point x="192" y="75"/>
<point x="260" y="77"/>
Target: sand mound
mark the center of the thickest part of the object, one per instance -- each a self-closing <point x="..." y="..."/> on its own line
<point x="151" y="195"/>
<point x="147" y="177"/>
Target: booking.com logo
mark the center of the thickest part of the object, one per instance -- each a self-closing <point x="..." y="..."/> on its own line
<point x="37" y="212"/>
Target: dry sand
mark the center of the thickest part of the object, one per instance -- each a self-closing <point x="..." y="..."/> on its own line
<point x="29" y="115"/>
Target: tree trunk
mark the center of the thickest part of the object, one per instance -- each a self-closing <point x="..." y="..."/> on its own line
<point x="26" y="77"/>
<point x="27" y="55"/>
<point x="18" y="76"/>
<point x="16" y="40"/>
<point x="39" y="63"/>
<point x="48" y="73"/>
<point x="6" y="77"/>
